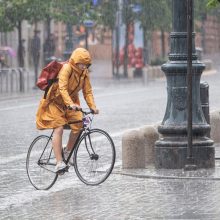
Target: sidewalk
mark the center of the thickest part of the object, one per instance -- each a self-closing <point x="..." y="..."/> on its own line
<point x="152" y="173"/>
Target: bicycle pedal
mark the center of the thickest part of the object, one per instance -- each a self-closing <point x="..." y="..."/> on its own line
<point x="60" y="172"/>
<point x="64" y="170"/>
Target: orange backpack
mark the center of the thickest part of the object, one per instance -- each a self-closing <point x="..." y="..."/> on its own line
<point x="49" y="74"/>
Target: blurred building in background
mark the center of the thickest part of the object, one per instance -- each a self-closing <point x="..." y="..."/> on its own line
<point x="100" y="41"/>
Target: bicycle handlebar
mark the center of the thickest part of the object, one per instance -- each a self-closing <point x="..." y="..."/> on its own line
<point x="82" y="110"/>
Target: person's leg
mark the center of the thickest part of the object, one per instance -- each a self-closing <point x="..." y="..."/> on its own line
<point x="57" y="143"/>
<point x="72" y="140"/>
<point x="75" y="128"/>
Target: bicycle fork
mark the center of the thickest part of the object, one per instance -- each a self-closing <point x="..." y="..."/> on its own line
<point x="92" y="155"/>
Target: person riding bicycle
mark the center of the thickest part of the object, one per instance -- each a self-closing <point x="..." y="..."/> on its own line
<point x="62" y="100"/>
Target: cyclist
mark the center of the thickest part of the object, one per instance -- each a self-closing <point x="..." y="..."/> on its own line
<point x="62" y="100"/>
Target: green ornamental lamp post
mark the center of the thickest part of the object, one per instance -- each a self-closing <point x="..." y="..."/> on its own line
<point x="171" y="148"/>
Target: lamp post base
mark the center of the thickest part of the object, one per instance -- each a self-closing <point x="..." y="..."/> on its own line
<point x="175" y="157"/>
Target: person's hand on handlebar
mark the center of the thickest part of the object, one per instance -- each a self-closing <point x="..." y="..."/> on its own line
<point x="95" y="111"/>
<point x="74" y="107"/>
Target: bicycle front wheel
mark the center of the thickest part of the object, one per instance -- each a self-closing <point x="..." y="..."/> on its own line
<point x="94" y="157"/>
<point x="40" y="163"/>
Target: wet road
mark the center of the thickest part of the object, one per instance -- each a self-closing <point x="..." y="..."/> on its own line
<point x="123" y="106"/>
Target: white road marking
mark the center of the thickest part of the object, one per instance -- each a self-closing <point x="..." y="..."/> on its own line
<point x="34" y="104"/>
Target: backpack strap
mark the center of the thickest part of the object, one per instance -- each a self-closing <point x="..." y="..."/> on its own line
<point x="51" y="81"/>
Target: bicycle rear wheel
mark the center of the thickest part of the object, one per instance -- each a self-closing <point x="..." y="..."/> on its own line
<point x="94" y="157"/>
<point x="40" y="163"/>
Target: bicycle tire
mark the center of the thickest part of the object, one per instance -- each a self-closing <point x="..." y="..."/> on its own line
<point x="103" y="154"/>
<point x="40" y="163"/>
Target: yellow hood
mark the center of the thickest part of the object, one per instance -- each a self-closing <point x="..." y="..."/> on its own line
<point x="80" y="55"/>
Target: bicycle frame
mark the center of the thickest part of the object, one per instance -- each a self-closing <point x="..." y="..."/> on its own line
<point x="82" y="131"/>
<point x="75" y="144"/>
<point x="45" y="148"/>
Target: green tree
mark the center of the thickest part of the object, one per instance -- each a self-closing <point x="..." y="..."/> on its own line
<point x="13" y="12"/>
<point x="200" y="14"/>
<point x="73" y="12"/>
<point x="213" y="3"/>
<point x="202" y="9"/>
<point x="107" y="19"/>
<point x="105" y="15"/>
<point x="128" y="18"/>
<point x="163" y="21"/>
<point x="154" y="15"/>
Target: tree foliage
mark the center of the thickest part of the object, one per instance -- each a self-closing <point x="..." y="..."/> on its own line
<point x="106" y="16"/>
<point x="12" y="12"/>
<point x="155" y="14"/>
<point x="71" y="11"/>
<point x="213" y="3"/>
<point x="205" y="7"/>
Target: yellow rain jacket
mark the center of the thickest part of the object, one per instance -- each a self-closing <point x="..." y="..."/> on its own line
<point x="52" y="111"/>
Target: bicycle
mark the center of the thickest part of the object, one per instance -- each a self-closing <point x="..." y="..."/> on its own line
<point x="93" y="156"/>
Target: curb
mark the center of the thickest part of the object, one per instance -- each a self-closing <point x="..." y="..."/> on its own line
<point x="142" y="176"/>
<point x="169" y="177"/>
<point x="189" y="175"/>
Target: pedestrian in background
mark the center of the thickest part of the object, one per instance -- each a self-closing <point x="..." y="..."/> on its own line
<point x="49" y="48"/>
<point x="21" y="54"/>
<point x="62" y="100"/>
<point x="35" y="53"/>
